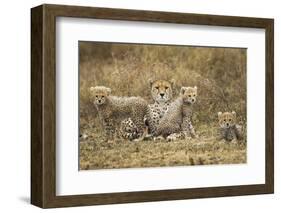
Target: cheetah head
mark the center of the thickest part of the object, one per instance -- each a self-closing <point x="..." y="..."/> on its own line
<point x="161" y="90"/>
<point x="189" y="94"/>
<point x="99" y="94"/>
<point x="227" y="119"/>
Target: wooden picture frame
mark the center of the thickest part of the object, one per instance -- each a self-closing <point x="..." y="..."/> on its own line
<point x="43" y="105"/>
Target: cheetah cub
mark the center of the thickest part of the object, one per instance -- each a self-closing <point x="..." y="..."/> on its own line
<point x="176" y="123"/>
<point x="113" y="110"/>
<point x="229" y="130"/>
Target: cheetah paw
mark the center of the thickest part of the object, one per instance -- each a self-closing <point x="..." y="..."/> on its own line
<point x="171" y="138"/>
<point x="158" y="138"/>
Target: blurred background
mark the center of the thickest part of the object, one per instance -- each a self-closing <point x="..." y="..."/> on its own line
<point x="219" y="74"/>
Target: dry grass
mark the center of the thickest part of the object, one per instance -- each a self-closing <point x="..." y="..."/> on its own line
<point x="219" y="74"/>
<point x="95" y="153"/>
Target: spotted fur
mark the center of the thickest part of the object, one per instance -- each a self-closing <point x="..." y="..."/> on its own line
<point x="228" y="129"/>
<point x="177" y="121"/>
<point x="162" y="93"/>
<point x="113" y="110"/>
<point x="128" y="130"/>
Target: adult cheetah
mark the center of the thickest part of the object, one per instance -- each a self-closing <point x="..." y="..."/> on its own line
<point x="162" y="93"/>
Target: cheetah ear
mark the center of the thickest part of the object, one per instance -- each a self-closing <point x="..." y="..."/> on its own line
<point x="108" y="90"/>
<point x="182" y="90"/>
<point x="150" y="81"/>
<point x="173" y="82"/>
<point x="219" y="114"/>
<point x="92" y="89"/>
<point x="195" y="88"/>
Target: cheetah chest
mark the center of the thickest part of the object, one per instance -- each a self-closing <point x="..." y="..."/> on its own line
<point x="157" y="111"/>
<point x="229" y="134"/>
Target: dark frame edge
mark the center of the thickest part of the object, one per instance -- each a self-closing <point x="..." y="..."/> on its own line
<point x="269" y="138"/>
<point x="37" y="190"/>
<point x="156" y="16"/>
<point x="43" y="107"/>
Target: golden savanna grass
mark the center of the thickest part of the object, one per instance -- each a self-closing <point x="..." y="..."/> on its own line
<point x="219" y="74"/>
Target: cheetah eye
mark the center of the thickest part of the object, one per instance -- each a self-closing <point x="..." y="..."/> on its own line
<point x="156" y="87"/>
<point x="194" y="95"/>
<point x="102" y="96"/>
<point x="229" y="119"/>
<point x="166" y="88"/>
<point x="224" y="120"/>
<point x="96" y="96"/>
<point x="189" y="96"/>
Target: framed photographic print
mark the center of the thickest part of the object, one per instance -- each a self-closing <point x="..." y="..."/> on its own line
<point x="136" y="106"/>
